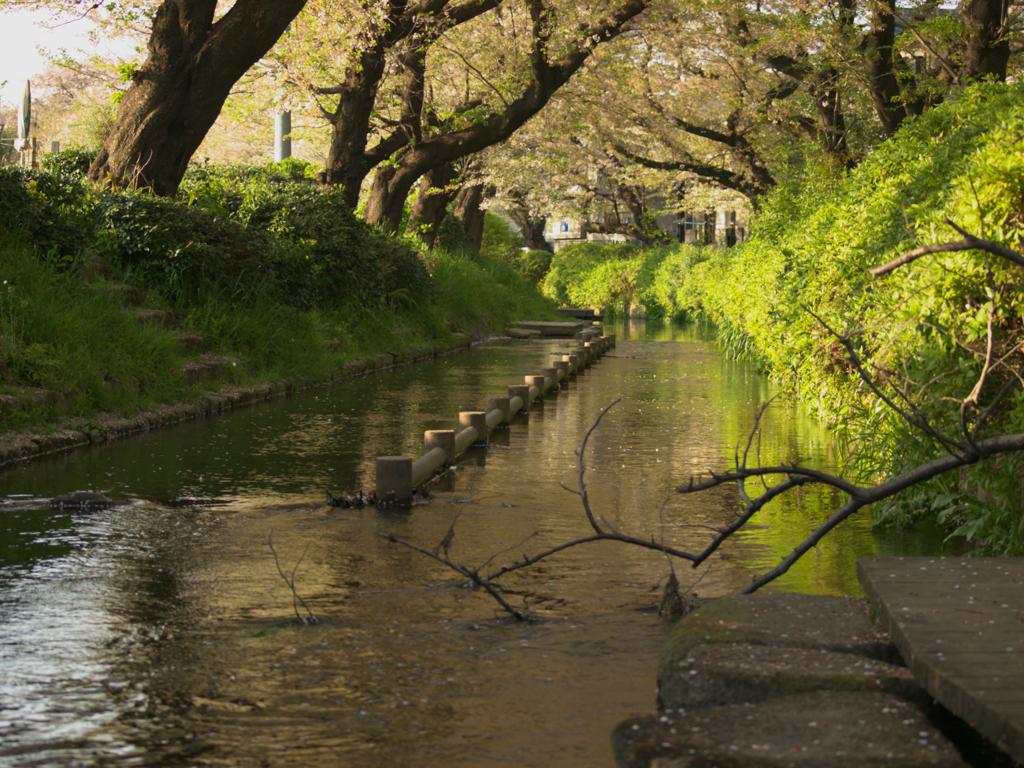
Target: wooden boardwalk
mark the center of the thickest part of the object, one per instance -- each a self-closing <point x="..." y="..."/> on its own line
<point x="959" y="625"/>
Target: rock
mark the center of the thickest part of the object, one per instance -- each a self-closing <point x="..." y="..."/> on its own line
<point x="841" y="624"/>
<point x="742" y="648"/>
<point x="840" y="730"/>
<point x="81" y="500"/>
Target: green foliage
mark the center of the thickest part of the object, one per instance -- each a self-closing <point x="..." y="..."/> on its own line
<point x="477" y="295"/>
<point x="500" y="242"/>
<point x="182" y="252"/>
<point x="812" y="244"/>
<point x="451" y="236"/>
<point x="272" y="271"/>
<point x="341" y="259"/>
<point x="54" y="212"/>
<point x="534" y="265"/>
<point x="666" y="281"/>
<point x="58" y="334"/>
<point x="127" y="71"/>
<point x="74" y="161"/>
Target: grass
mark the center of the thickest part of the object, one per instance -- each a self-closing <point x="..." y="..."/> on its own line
<point x="60" y="333"/>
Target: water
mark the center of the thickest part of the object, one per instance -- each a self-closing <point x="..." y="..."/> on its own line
<point x="155" y="634"/>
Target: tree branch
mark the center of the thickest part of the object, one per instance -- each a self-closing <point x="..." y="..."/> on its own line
<point x="969" y="243"/>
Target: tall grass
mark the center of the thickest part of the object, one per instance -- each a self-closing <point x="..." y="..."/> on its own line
<point x="480" y="296"/>
<point x="60" y="334"/>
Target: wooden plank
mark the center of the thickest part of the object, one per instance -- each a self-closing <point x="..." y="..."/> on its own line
<point x="959" y="625"/>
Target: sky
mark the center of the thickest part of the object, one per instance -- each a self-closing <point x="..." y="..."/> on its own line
<point x="21" y="34"/>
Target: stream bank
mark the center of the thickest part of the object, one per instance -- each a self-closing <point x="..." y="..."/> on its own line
<point x="78" y="434"/>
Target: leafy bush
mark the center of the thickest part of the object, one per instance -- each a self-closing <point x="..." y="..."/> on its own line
<point x="55" y="212"/>
<point x="472" y="290"/>
<point x="183" y="251"/>
<point x="500" y="242"/>
<point x="812" y="245"/>
<point x="344" y="259"/>
<point x="451" y="236"/>
<point x="667" y="281"/>
<point x="534" y="265"/>
<point x="68" y="162"/>
<point x="59" y="334"/>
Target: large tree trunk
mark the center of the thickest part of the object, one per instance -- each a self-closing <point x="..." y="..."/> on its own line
<point x="530" y="226"/>
<point x="347" y="165"/>
<point x="823" y="87"/>
<point x="436" y="192"/>
<point x="879" y="67"/>
<point x="987" y="47"/>
<point x="178" y="93"/>
<point x="349" y="161"/>
<point x="532" y="229"/>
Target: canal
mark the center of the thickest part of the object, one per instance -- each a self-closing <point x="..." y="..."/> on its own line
<point x="160" y="631"/>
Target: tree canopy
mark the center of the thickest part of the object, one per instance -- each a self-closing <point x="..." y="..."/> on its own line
<point x="664" y="101"/>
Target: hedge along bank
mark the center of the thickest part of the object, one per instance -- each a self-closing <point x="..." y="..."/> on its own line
<point x="812" y="246"/>
<point x="813" y="241"/>
<point x="664" y="280"/>
<point x="54" y="226"/>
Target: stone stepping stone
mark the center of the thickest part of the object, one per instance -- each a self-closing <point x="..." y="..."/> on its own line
<point x="164" y="317"/>
<point x="843" y="624"/>
<point x="737" y="673"/>
<point x="825" y="728"/>
<point x="190" y="344"/>
<point x="524" y="333"/>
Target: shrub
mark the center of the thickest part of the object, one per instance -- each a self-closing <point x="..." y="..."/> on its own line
<point x="182" y="251"/>
<point x="74" y="161"/>
<point x="345" y="261"/>
<point x="812" y="244"/>
<point x="55" y="212"/>
<point x="500" y="242"/>
<point x="534" y="265"/>
<point x="667" y="281"/>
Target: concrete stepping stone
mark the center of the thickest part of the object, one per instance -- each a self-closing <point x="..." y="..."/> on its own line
<point x="164" y="317"/>
<point x="524" y="333"/>
<point x="810" y="730"/>
<point x="190" y="344"/>
<point x="843" y="624"/>
<point x="737" y="673"/>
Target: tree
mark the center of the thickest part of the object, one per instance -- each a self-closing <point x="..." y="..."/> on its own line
<point x="552" y="58"/>
<point x="405" y="33"/>
<point x="470" y="212"/>
<point x="736" y="94"/>
<point x="193" y="60"/>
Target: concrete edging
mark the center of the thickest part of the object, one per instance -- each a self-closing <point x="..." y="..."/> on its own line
<point x="20" y="447"/>
<point x="398" y="477"/>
